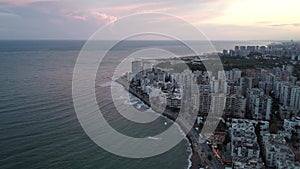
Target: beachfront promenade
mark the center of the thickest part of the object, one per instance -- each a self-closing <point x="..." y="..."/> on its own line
<point x="200" y="150"/>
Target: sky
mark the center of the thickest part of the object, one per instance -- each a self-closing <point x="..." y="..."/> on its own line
<point x="217" y="19"/>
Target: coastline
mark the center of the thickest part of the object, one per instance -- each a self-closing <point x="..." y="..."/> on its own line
<point x="194" y="158"/>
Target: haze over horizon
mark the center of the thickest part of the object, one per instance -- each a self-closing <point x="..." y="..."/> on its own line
<point x="217" y="19"/>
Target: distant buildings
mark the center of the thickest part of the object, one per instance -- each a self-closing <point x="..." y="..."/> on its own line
<point x="287" y="49"/>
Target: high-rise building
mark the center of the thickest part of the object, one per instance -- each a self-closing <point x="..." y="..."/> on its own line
<point x="285" y="94"/>
<point x="137" y="66"/>
<point x="245" y="84"/>
<point x="295" y="98"/>
<point x="259" y="104"/>
<point x="235" y="106"/>
<point x="204" y="98"/>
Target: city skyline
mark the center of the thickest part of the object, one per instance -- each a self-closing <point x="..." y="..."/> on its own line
<point x="217" y="19"/>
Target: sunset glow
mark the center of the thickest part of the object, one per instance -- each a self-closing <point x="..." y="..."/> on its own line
<point x="243" y="19"/>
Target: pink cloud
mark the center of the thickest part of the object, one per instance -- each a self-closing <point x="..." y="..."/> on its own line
<point x="23" y="2"/>
<point x="78" y="17"/>
<point x="154" y="10"/>
<point x="200" y="16"/>
<point x="105" y="17"/>
<point x="191" y="17"/>
<point x="129" y="7"/>
<point x="89" y="15"/>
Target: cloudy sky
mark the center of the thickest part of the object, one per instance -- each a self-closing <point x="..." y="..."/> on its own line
<point x="218" y="19"/>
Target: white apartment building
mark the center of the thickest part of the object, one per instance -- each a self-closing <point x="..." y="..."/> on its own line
<point x="259" y="104"/>
<point x="244" y="145"/>
<point x="275" y="149"/>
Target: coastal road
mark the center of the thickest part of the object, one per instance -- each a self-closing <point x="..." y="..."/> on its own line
<point x="193" y="134"/>
<point x="203" y="148"/>
<point x="214" y="163"/>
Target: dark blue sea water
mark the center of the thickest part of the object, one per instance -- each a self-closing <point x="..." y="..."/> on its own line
<point x="38" y="125"/>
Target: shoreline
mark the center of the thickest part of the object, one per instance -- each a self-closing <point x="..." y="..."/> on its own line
<point x="194" y="159"/>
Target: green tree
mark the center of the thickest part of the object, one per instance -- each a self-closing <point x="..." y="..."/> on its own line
<point x="209" y="157"/>
<point x="294" y="138"/>
<point x="273" y="128"/>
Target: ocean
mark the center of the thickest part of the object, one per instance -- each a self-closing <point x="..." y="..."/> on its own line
<point x="38" y="124"/>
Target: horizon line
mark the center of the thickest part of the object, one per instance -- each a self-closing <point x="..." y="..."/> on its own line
<point x="282" y="40"/>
